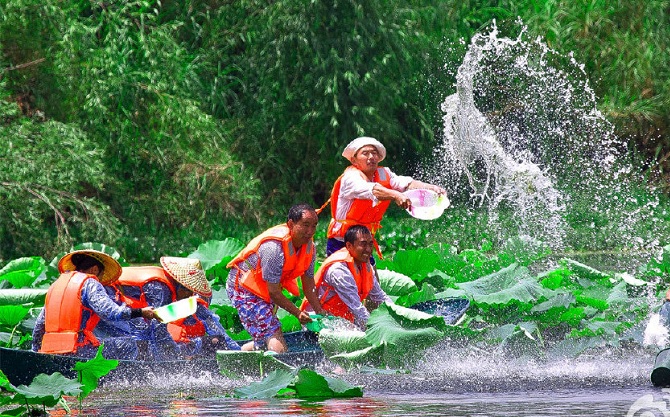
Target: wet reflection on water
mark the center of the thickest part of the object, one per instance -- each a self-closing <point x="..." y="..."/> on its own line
<point x="445" y="384"/>
<point x="645" y="401"/>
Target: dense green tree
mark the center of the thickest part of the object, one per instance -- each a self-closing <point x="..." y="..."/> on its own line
<point x="309" y="77"/>
<point x="51" y="181"/>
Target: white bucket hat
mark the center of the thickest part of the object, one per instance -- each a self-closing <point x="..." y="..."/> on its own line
<point x="188" y="272"/>
<point x="358" y="143"/>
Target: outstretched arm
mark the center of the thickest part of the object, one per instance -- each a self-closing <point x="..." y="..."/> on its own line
<point x="419" y="184"/>
<point x="383" y="193"/>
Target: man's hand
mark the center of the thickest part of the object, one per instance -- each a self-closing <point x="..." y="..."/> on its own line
<point x="402" y="200"/>
<point x="148" y="313"/>
<point x="304" y="318"/>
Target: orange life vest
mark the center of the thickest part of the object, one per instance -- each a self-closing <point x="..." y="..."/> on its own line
<point x="63" y="315"/>
<point x="361" y="211"/>
<point x="182" y="332"/>
<point x="295" y="263"/>
<point x="334" y="305"/>
<point x="138" y="276"/>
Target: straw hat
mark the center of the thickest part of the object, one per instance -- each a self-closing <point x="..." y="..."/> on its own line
<point x="358" y="143"/>
<point x="110" y="273"/>
<point x="188" y="272"/>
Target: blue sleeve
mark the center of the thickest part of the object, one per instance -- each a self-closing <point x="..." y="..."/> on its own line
<point x="38" y="331"/>
<point x="94" y="296"/>
<point x="213" y="326"/>
<point x="157" y="294"/>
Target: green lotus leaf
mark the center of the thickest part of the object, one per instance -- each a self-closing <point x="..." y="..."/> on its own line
<point x="334" y="342"/>
<point x="277" y="381"/>
<point x="410" y="318"/>
<point x="573" y="316"/>
<point x="47" y="390"/>
<point x="92" y="370"/>
<point x="511" y="284"/>
<point x="22" y="296"/>
<point x="217" y="252"/>
<point x="310" y="384"/>
<point x="618" y="297"/>
<point x="23" y="272"/>
<point x="416" y="263"/>
<point x="427" y="293"/>
<point x="559" y="300"/>
<point x="289" y="322"/>
<point x="12" y="315"/>
<point x="394" y="283"/>
<point x="439" y="280"/>
<point x="555" y="278"/>
<point x="585" y="271"/>
<point x="4" y="381"/>
<point x="404" y="331"/>
<point x="371" y="355"/>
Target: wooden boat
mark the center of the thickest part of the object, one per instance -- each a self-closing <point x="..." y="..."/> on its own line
<point x="21" y="366"/>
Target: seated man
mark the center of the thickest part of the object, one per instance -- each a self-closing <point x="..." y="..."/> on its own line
<point x="271" y="262"/>
<point x="345" y="279"/>
<point x="179" y="278"/>
<point x="77" y="302"/>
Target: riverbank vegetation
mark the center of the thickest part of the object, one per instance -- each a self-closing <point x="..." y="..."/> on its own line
<point x="156" y="126"/>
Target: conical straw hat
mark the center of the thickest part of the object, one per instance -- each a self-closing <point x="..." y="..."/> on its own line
<point x="188" y="272"/>
<point x="110" y="273"/>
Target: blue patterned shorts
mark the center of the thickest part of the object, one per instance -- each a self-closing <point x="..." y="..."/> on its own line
<point x="256" y="314"/>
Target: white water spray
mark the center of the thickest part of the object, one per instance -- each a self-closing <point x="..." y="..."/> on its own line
<point x="523" y="128"/>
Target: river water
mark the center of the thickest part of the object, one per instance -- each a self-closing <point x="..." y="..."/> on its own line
<point x="445" y="383"/>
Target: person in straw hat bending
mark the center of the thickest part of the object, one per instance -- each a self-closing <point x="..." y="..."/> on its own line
<point x="271" y="262"/>
<point x="77" y="301"/>
<point x="176" y="279"/>
<point x="364" y="191"/>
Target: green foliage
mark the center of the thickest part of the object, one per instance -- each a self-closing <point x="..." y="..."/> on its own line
<point x="50" y="183"/>
<point x="49" y="390"/>
<point x="215" y="255"/>
<point x="90" y="372"/>
<point x="299" y="383"/>
<point x="395" y="337"/>
<point x="307" y="78"/>
<point x="23" y="272"/>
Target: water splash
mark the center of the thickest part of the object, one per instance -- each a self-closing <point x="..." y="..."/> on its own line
<point x="524" y="130"/>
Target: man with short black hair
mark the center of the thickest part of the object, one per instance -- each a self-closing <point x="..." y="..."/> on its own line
<point x="345" y="280"/>
<point x="270" y="263"/>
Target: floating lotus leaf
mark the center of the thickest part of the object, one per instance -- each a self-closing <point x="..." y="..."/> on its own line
<point x="92" y="370"/>
<point x="394" y="283"/>
<point x="46" y="389"/>
<point x="214" y="253"/>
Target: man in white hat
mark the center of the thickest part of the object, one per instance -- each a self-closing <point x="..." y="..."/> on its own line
<point x="362" y="194"/>
<point x="77" y="302"/>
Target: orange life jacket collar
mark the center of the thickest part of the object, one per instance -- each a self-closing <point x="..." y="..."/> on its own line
<point x="296" y="262"/>
<point x="364" y="282"/>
